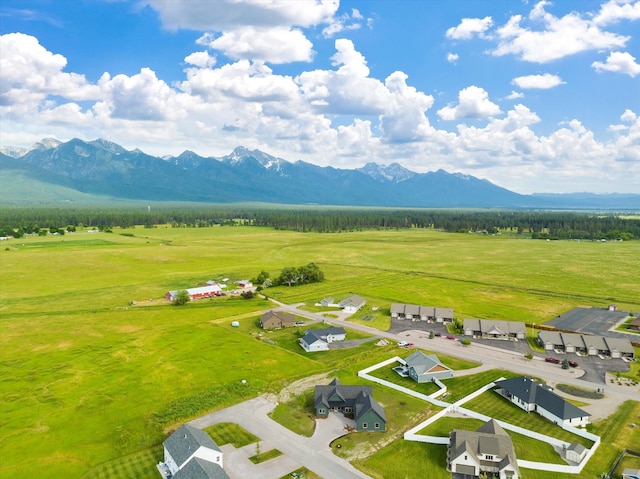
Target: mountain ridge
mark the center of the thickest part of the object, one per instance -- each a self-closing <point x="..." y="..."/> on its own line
<point x="104" y="168"/>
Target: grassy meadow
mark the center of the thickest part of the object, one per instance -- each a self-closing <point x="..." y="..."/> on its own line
<point x="87" y="379"/>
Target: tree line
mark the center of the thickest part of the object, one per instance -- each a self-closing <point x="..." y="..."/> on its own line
<point x="536" y="224"/>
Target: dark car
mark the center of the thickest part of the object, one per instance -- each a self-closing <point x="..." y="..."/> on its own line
<point x="573" y="364"/>
<point x="552" y="360"/>
<point x="451" y="337"/>
<point x="437" y="335"/>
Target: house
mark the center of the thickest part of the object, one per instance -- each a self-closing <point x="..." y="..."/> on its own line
<point x="201" y="292"/>
<point x="351" y="400"/>
<point x="245" y="284"/>
<point x="586" y="344"/>
<point x="319" y="339"/>
<point x="493" y="329"/>
<point x="277" y="319"/>
<point x="190" y="453"/>
<point x="328" y="301"/>
<point x="573" y="343"/>
<point x="487" y="452"/>
<point x="536" y="397"/>
<point x="575" y="452"/>
<point x="550" y="340"/>
<point x="619" y="348"/>
<point x="424" y="368"/>
<point x="414" y="312"/>
<point x="629" y="473"/>
<point x="595" y="345"/>
<point x="635" y="324"/>
<point x="352" y="304"/>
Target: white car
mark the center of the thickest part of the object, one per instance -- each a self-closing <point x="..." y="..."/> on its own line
<point x="403" y="344"/>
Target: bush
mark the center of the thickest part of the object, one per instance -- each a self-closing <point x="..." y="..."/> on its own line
<point x="182" y="298"/>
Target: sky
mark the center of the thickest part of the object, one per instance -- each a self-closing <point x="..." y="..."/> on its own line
<point x="534" y="96"/>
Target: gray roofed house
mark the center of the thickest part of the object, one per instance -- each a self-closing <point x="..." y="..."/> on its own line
<point x="412" y="312"/>
<point x="424" y="368"/>
<point x="620" y="348"/>
<point x="352" y="304"/>
<point x="550" y="340"/>
<point x="277" y="319"/>
<point x="487" y="450"/>
<point x="443" y="315"/>
<point x="185" y="445"/>
<point x="351" y="400"/>
<point x="534" y="396"/>
<point x="494" y="329"/>
<point x="397" y="311"/>
<point x="319" y="339"/>
<point x="573" y="343"/>
<point x="201" y="469"/>
<point x="595" y="345"/>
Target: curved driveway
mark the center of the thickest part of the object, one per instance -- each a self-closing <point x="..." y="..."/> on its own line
<point x="314" y="453"/>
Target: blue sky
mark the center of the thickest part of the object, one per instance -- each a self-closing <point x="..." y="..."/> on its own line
<point x="535" y="96"/>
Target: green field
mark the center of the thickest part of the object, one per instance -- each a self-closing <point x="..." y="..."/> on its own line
<point x="87" y="379"/>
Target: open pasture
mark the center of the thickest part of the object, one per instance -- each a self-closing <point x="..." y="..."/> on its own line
<point x="87" y="378"/>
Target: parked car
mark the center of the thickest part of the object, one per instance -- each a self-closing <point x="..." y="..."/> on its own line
<point x="451" y="337"/>
<point x="402" y="344"/>
<point x="552" y="360"/>
<point x="573" y="364"/>
<point x="437" y="335"/>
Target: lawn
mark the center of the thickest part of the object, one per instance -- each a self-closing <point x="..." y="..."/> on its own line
<point x="88" y="378"/>
<point x="230" y="433"/>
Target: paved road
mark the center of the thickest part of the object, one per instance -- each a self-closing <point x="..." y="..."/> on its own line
<point x="480" y="352"/>
<point x="314" y="453"/>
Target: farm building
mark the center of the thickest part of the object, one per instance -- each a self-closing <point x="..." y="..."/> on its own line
<point x="423" y="368"/>
<point x="482" y="453"/>
<point x="533" y="396"/>
<point x="351" y="400"/>
<point x="277" y="319"/>
<point x="201" y="292"/>
<point x="188" y="453"/>
<point x="413" y="312"/>
<point x="319" y="339"/>
<point x="493" y="329"/>
<point x="245" y="284"/>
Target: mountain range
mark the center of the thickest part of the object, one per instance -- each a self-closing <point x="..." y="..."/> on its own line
<point x="76" y="170"/>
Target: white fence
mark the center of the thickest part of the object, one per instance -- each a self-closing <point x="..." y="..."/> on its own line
<point x="412" y="434"/>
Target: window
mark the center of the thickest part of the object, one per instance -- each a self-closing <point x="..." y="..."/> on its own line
<point x="321" y="411"/>
<point x="365" y="425"/>
<point x="348" y="409"/>
<point x="376" y="425"/>
<point x="488" y="457"/>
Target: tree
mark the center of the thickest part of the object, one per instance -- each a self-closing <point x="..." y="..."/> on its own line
<point x="182" y="297"/>
<point x="288" y="276"/>
<point x="431" y="334"/>
<point x="262" y="277"/>
<point x="565" y="364"/>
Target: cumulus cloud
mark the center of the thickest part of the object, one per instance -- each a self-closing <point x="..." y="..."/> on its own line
<point x="29" y="73"/>
<point x="343" y="23"/>
<point x="514" y="95"/>
<point x="545" y="81"/>
<point x="473" y="102"/>
<point x="615" y="10"/>
<point x="619" y="62"/>
<point x="555" y="38"/>
<point x="452" y="57"/>
<point x="274" y="44"/>
<point x="200" y="59"/>
<point x="470" y="27"/>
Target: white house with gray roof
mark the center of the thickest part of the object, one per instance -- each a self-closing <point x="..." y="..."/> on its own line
<point x="189" y="453"/>
<point x="424" y="368"/>
<point x="352" y="304"/>
<point x="413" y="312"/>
<point x="533" y="396"/>
<point x="494" y="329"/>
<point x="472" y="454"/>
<point x="319" y="339"/>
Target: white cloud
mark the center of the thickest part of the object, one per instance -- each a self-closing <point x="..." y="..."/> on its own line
<point x="470" y="27"/>
<point x="555" y="38"/>
<point x="224" y="15"/>
<point x="628" y="116"/>
<point x="545" y="81"/>
<point x="620" y="62"/>
<point x="29" y="73"/>
<point x="514" y="95"/>
<point x="452" y="57"/>
<point x="473" y="102"/>
<point x="273" y="44"/>
<point x="200" y="59"/>
<point x="343" y="23"/>
<point x="616" y="10"/>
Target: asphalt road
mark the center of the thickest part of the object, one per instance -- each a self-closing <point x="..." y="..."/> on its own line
<point x="478" y="351"/>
